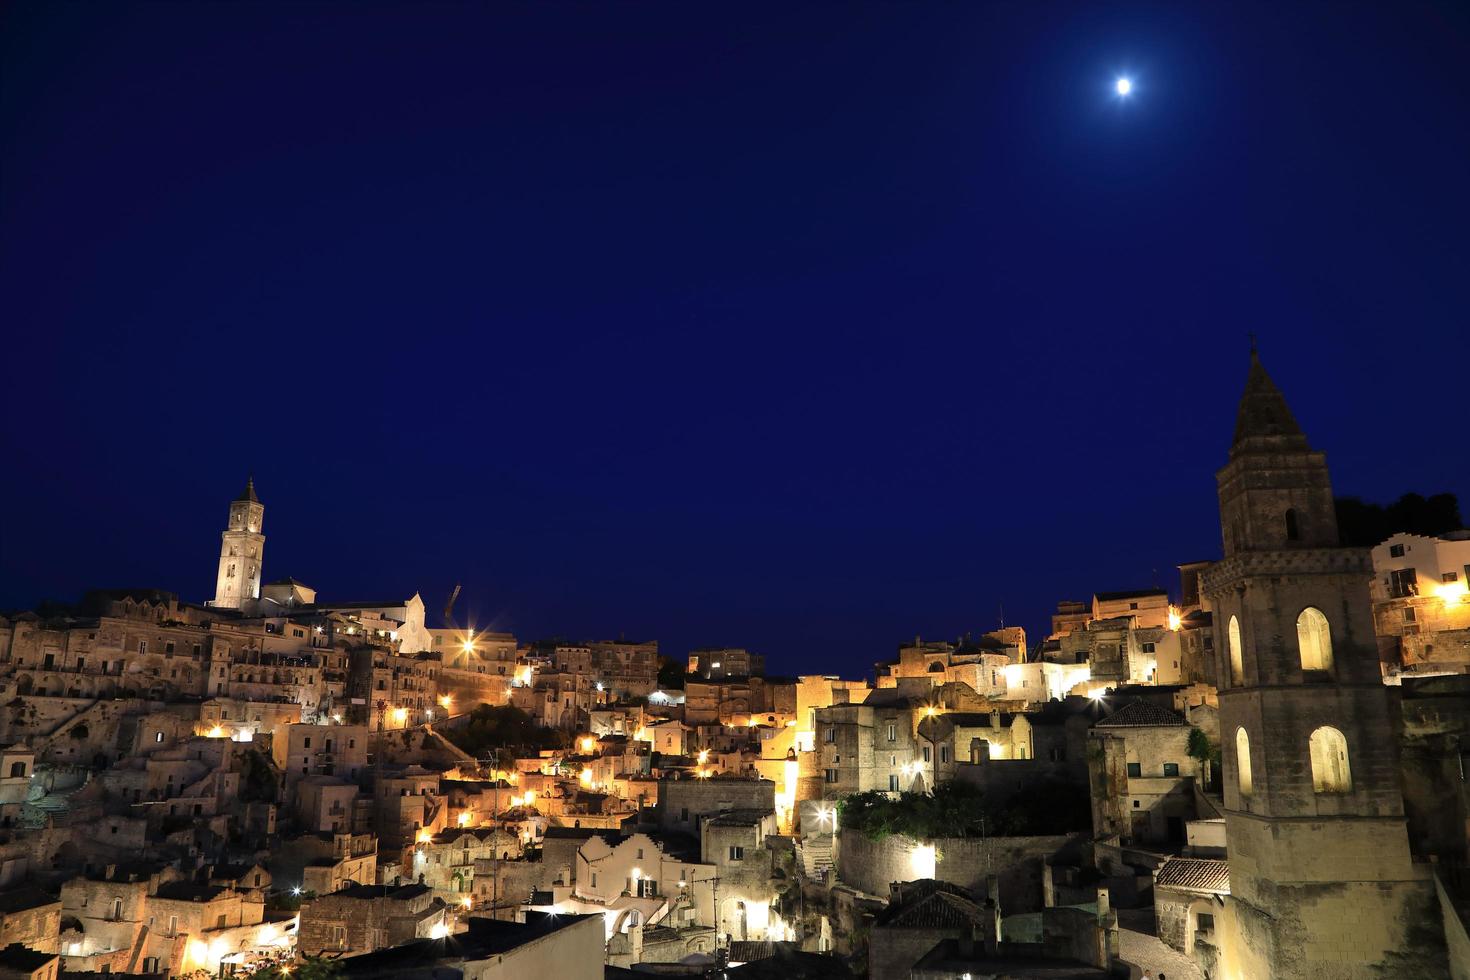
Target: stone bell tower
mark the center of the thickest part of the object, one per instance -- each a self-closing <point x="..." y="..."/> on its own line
<point x="242" y="549"/>
<point x="1321" y="879"/>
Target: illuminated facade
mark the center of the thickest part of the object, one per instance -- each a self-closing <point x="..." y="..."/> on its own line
<point x="1321" y="879"/>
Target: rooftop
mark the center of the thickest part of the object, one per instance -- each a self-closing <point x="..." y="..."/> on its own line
<point x="1130" y="594"/>
<point x="1142" y="714"/>
<point x="483" y="939"/>
<point x="930" y="904"/>
<point x="24" y="897"/>
<point x="1198" y="874"/>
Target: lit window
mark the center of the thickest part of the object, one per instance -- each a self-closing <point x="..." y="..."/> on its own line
<point x="1237" y="662"/>
<point x="1243" y="761"/>
<point x="1330" y="772"/>
<point x="1314" y="640"/>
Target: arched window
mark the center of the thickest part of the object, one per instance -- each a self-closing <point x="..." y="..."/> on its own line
<point x="1292" y="533"/>
<point x="1243" y="761"/>
<point x="1237" y="662"/>
<point x="1314" y="639"/>
<point x="1330" y="771"/>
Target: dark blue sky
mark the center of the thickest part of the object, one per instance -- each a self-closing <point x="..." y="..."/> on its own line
<point x="806" y="327"/>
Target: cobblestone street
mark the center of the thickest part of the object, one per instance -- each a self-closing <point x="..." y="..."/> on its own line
<point x="1142" y="950"/>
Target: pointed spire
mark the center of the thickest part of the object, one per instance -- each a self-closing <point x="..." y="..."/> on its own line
<point x="1264" y="415"/>
<point x="249" y="491"/>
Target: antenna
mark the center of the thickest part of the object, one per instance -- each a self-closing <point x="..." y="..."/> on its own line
<point x="449" y="607"/>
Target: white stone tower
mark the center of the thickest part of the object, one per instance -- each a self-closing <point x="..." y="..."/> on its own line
<point x="1321" y="879"/>
<point x="242" y="549"/>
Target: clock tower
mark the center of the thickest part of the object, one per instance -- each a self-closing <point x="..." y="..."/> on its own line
<point x="242" y="550"/>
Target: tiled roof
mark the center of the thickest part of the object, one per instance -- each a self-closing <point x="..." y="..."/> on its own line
<point x="931" y="905"/>
<point x="1199" y="874"/>
<point x="739" y="818"/>
<point x="1139" y="714"/>
<point x="743" y="951"/>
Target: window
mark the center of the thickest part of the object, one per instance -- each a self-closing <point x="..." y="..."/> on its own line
<point x="158" y="736"/>
<point x="1243" y="761"/>
<point x="830" y="775"/>
<point x="1395" y="551"/>
<point x="1450" y="577"/>
<point x="684" y="814"/>
<point x="1237" y="661"/>
<point x="640" y="854"/>
<point x="647" y="888"/>
<point x="1148" y="648"/>
<point x="1314" y="639"/>
<point x="1292" y="532"/>
<point x="306" y="743"/>
<point x="944" y="753"/>
<point x="594" y="879"/>
<point x="1330" y="772"/>
<point x="142" y="646"/>
<point x="1135" y="769"/>
<point x="1410" y="616"/>
<point x="926" y="753"/>
<point x="737" y="853"/>
<point x="173" y="925"/>
<point x="892" y="784"/>
<point x="1171" y="769"/>
<point x="892" y="732"/>
<point x="1204" y="922"/>
<point x="1403" y="583"/>
<point x="1132" y="605"/>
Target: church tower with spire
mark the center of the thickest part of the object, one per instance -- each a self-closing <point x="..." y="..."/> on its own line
<point x="1321" y="879"/>
<point x="242" y="549"/>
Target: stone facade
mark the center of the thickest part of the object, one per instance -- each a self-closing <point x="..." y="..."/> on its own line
<point x="872" y="866"/>
<point x="1321" y="878"/>
<point x="362" y="918"/>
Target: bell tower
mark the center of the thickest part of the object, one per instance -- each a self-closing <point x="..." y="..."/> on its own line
<point x="1322" y="883"/>
<point x="242" y="549"/>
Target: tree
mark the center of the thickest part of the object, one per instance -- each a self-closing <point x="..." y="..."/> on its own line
<point x="1363" y="525"/>
<point x="670" y="674"/>
<point x="491" y="726"/>
<point x="310" y="968"/>
<point x="1203" y="750"/>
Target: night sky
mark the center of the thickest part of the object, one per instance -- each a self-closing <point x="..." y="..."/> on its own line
<point x="802" y="327"/>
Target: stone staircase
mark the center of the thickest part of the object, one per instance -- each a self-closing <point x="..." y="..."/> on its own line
<point x="816" y="856"/>
<point x="50" y="808"/>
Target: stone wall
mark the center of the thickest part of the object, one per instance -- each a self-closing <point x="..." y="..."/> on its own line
<point x="892" y="953"/>
<point x="871" y="866"/>
<point x="707" y="797"/>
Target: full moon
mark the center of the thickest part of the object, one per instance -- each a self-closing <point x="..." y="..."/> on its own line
<point x="1124" y="86"/>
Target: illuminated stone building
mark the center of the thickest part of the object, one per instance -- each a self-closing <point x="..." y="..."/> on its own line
<point x="241" y="552"/>
<point x="1321" y="879"/>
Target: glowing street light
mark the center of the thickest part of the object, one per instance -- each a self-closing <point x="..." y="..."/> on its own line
<point x="1124" y="86"/>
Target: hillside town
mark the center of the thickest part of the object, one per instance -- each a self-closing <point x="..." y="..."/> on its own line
<point x="1257" y="770"/>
